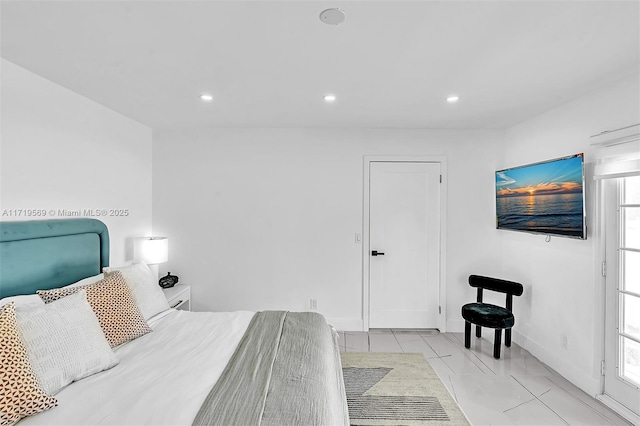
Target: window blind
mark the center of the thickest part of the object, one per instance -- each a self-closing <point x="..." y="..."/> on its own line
<point x="617" y="152"/>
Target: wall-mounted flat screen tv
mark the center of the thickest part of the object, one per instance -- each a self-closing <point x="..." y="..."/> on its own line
<point x="545" y="198"/>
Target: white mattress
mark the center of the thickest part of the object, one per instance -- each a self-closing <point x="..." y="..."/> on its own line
<point x="162" y="379"/>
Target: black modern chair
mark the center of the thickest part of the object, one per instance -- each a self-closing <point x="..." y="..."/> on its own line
<point x="488" y="315"/>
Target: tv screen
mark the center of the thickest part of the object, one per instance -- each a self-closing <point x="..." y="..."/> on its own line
<point x="545" y="198"/>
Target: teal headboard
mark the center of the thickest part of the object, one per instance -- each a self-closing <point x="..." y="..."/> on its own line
<point x="45" y="254"/>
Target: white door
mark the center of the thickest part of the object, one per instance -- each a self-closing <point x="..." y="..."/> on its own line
<point x="622" y="323"/>
<point x="404" y="244"/>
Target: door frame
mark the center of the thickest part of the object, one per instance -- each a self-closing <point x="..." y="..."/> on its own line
<point x="366" y="259"/>
<point x="606" y="194"/>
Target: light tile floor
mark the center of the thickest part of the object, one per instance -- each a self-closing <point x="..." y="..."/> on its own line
<point x="517" y="389"/>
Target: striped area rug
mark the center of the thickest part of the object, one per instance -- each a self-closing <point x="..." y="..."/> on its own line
<point x="396" y="389"/>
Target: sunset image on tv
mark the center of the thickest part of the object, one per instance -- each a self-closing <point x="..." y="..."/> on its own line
<point x="543" y="197"/>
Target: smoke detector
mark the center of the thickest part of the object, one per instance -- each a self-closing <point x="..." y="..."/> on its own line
<point x="332" y="16"/>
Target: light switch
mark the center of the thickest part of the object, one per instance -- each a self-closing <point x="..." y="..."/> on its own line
<point x="358" y="237"/>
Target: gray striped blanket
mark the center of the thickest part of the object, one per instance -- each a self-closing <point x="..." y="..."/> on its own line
<point x="285" y="371"/>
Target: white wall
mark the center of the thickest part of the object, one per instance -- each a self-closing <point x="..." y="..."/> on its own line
<point x="59" y="150"/>
<point x="563" y="291"/>
<point x="266" y="218"/>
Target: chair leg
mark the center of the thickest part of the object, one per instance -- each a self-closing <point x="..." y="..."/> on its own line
<point x="467" y="334"/>
<point x="507" y="337"/>
<point x="496" y="343"/>
<point x="478" y="331"/>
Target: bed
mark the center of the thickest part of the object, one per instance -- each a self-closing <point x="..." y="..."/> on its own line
<point x="179" y="368"/>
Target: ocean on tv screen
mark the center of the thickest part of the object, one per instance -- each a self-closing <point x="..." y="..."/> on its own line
<point x="544" y="197"/>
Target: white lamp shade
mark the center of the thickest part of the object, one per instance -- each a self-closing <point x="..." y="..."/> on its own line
<point x="154" y="250"/>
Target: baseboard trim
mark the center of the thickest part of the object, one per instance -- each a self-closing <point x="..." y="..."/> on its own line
<point x="592" y="386"/>
<point x="346" y="324"/>
<point x="455" y="326"/>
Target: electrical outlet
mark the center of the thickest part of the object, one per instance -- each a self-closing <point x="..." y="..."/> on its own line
<point x="313" y="304"/>
<point x="564" y="341"/>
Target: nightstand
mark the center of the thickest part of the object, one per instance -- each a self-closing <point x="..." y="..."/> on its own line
<point x="179" y="296"/>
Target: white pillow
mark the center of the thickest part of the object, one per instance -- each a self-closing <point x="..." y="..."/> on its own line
<point x="144" y="288"/>
<point x="64" y="341"/>
<point x="23" y="300"/>
<point x="35" y="300"/>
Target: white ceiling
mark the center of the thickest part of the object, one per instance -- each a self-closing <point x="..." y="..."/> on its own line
<point x="268" y="63"/>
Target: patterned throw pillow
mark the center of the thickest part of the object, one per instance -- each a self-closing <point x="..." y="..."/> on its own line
<point x="20" y="392"/>
<point x="114" y="306"/>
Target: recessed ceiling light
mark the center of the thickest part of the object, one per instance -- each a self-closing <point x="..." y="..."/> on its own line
<point x="329" y="98"/>
<point x="206" y="97"/>
<point x="453" y="99"/>
<point x="333" y="16"/>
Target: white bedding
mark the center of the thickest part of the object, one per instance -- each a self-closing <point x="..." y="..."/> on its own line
<point x="163" y="377"/>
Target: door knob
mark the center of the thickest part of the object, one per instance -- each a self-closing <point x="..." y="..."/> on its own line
<point x="376" y="253"/>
